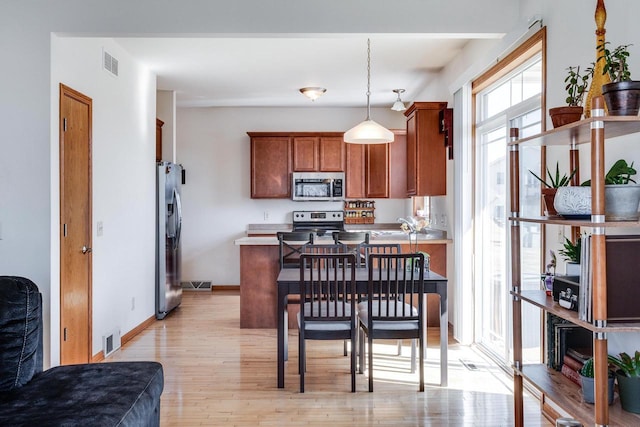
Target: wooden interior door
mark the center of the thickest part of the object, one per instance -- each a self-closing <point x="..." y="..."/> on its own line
<point x="75" y="226"/>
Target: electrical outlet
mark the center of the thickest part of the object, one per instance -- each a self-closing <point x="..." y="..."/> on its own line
<point x="266" y="215"/>
<point x="99" y="228"/>
<point x="444" y="220"/>
<point x="560" y="236"/>
<point x="133" y="303"/>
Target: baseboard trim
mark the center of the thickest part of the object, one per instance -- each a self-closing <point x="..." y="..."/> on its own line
<point x="216" y="288"/>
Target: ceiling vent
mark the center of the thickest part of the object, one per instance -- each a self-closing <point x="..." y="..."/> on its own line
<point x="109" y="63"/>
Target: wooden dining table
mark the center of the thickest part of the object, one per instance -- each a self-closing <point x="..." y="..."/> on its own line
<point x="289" y="284"/>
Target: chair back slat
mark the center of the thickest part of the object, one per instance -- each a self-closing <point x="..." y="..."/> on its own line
<point x="379" y="248"/>
<point x="291" y="246"/>
<point x="327" y="286"/>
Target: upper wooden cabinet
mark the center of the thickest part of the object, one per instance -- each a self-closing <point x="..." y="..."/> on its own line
<point x="377" y="170"/>
<point x="270" y="166"/>
<point x="426" y="151"/>
<point x="318" y="153"/>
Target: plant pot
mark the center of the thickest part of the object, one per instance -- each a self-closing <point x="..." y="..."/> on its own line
<point x="629" y="388"/>
<point x="561" y="116"/>
<point x="573" y="202"/>
<point x="622" y="98"/>
<point x="572" y="269"/>
<point x="548" y="196"/>
<point x="621" y="202"/>
<point x="588" y="392"/>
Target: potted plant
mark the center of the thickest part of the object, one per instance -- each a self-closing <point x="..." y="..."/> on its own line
<point x="621" y="198"/>
<point x="550" y="188"/>
<point x="571" y="253"/>
<point x="587" y="380"/>
<point x="577" y="84"/>
<point x="622" y="95"/>
<point x="628" y="375"/>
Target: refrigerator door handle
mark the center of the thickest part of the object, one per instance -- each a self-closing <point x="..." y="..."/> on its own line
<point x="178" y="217"/>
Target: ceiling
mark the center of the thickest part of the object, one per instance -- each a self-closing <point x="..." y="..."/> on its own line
<point x="268" y="71"/>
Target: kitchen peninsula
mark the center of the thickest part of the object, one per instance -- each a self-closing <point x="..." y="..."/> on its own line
<point x="259" y="268"/>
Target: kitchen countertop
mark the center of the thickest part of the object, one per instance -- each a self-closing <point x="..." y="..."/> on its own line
<point x="383" y="233"/>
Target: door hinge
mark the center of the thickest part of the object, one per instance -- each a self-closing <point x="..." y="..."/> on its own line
<point x="65" y="334"/>
<point x="64" y="124"/>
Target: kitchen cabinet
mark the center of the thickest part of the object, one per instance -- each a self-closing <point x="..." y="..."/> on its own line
<point x="376" y="170"/>
<point x="159" y="124"/>
<point x="270" y="166"/>
<point x="318" y="153"/>
<point x="551" y="384"/>
<point x="426" y="151"/>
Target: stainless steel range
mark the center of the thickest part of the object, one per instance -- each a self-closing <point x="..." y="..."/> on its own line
<point x="318" y="222"/>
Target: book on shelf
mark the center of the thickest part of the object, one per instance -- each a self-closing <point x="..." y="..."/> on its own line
<point x="571" y="373"/>
<point x="581" y="354"/>
<point x="568" y="339"/>
<point x="571" y="362"/>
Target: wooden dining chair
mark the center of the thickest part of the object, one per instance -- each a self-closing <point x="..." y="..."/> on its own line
<point x="389" y="311"/>
<point x="354" y="240"/>
<point x="387" y="248"/>
<point x="291" y="246"/>
<point x="327" y="304"/>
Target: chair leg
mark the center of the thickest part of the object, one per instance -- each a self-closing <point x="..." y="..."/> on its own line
<point x="345" y="348"/>
<point x="413" y="356"/>
<point x="353" y="363"/>
<point x="370" y="354"/>
<point x="421" y="358"/>
<point x="301" y="361"/>
<point x="361" y="351"/>
<point x="399" y="347"/>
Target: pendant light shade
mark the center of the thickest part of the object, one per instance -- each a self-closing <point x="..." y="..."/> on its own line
<point x="398" y="105"/>
<point x="368" y="132"/>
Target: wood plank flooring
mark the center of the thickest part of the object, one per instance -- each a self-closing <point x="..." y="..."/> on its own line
<point x="217" y="374"/>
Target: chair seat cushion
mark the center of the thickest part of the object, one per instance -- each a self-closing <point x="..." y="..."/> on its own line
<point x="386" y="308"/>
<point x="326" y="325"/>
<point x="97" y="394"/>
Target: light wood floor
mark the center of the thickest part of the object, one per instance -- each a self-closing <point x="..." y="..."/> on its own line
<point x="217" y="374"/>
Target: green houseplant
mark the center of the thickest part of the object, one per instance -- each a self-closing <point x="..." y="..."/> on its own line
<point x="571" y="253"/>
<point x="577" y="83"/>
<point x="549" y="188"/>
<point x="628" y="375"/>
<point x="622" y="95"/>
<point x="621" y="198"/>
<point x="587" y="380"/>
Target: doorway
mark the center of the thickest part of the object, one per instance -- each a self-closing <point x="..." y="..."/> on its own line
<point x="75" y="227"/>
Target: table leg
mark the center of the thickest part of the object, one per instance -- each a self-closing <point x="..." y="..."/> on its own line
<point x="444" y="336"/>
<point x="282" y="335"/>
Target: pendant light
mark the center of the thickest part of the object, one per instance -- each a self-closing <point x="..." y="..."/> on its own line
<point x="368" y="132"/>
<point x="398" y="105"/>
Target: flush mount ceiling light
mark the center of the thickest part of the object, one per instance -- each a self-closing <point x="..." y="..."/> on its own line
<point x="398" y="105"/>
<point x="368" y="132"/>
<point x="313" y="93"/>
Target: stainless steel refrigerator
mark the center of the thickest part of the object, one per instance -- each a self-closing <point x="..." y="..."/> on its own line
<point x="169" y="225"/>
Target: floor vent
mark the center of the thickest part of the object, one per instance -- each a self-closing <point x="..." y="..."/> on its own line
<point x="109" y="63"/>
<point x="469" y="365"/>
<point x="110" y="343"/>
<point x="204" y="285"/>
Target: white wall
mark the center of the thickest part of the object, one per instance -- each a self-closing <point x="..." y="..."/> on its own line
<point x="123" y="173"/>
<point x="213" y="147"/>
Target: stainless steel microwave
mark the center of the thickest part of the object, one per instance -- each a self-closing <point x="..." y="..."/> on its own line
<point x="317" y="186"/>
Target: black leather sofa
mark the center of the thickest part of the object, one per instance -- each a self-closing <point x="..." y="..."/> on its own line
<point x="97" y="394"/>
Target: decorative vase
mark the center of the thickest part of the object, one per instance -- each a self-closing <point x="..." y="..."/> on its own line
<point x="572" y="269"/>
<point x="629" y="388"/>
<point x="561" y="116"/>
<point x="588" y="392"/>
<point x="622" y="98"/>
<point x="548" y="196"/>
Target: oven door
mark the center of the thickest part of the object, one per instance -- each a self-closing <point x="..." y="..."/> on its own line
<point x="312" y="189"/>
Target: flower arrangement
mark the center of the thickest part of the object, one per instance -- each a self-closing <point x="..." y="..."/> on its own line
<point x="412" y="227"/>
